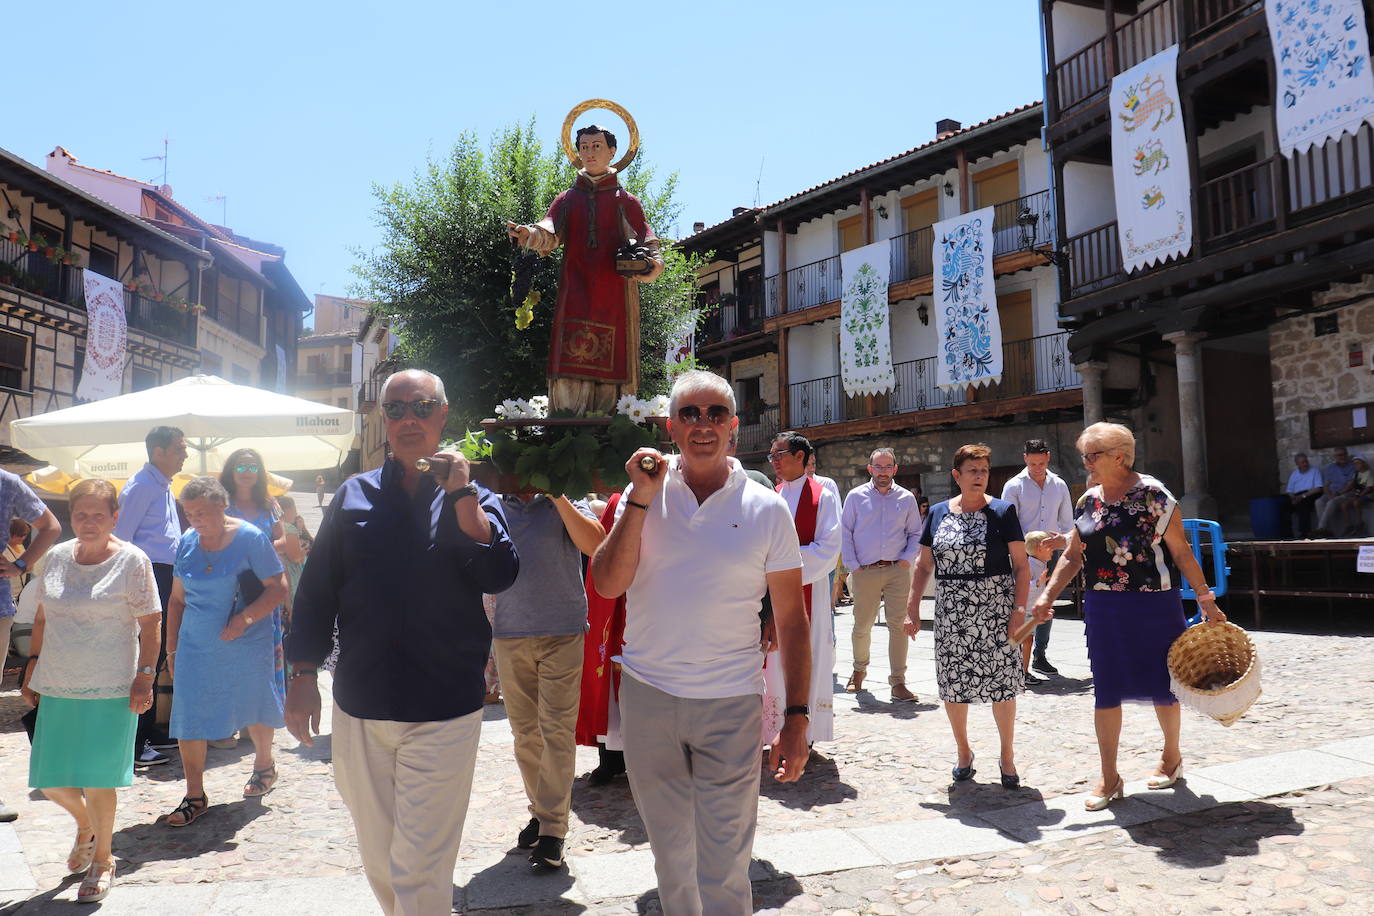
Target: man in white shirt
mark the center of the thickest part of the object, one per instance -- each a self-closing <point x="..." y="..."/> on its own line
<point x="834" y="488"/>
<point x="694" y="546"/>
<point x="1043" y="503"/>
<point x="880" y="532"/>
<point x="1304" y="489"/>
<point x="816" y="512"/>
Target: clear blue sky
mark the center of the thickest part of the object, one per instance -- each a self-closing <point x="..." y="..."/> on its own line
<point x="293" y="109"/>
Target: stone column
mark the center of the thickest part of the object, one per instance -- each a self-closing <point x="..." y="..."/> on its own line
<point x="1196" y="502"/>
<point x="1092" y="373"/>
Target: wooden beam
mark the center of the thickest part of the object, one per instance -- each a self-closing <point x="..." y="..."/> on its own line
<point x="1109" y="12"/>
<point x="782" y="266"/>
<point x="961" y="157"/>
<point x="1051" y="73"/>
<point x="784" y="383"/>
<point x="866" y="213"/>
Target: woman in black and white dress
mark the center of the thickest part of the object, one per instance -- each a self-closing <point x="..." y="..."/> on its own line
<point x="974" y="547"/>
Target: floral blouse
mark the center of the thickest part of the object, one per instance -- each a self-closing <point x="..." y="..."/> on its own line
<point x="1124" y="541"/>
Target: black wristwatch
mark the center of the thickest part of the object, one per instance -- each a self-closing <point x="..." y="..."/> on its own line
<point x="20" y="565"/>
<point x="463" y="492"/>
<point x="797" y="711"/>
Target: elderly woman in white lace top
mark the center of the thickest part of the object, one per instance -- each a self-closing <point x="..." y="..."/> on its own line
<point x="95" y="641"/>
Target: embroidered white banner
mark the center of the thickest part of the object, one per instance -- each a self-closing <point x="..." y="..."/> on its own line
<point x="1150" y="163"/>
<point x="281" y="368"/>
<point x="102" y="375"/>
<point x="1324" y="87"/>
<point x="682" y="345"/>
<point x="865" y="324"/>
<point x="966" y="323"/>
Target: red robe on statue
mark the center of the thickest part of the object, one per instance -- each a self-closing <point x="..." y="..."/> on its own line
<point x="596" y="323"/>
<point x="605" y="638"/>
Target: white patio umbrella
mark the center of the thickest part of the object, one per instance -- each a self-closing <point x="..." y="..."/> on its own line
<point x="105" y="438"/>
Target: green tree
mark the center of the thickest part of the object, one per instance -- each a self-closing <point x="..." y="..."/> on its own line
<point x="443" y="269"/>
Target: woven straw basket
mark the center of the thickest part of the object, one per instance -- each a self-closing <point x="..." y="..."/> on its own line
<point x="1212" y="652"/>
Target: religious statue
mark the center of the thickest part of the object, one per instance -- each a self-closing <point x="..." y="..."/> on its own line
<point x="608" y="250"/>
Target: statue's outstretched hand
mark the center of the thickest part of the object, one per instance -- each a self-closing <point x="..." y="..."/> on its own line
<point x="518" y="233"/>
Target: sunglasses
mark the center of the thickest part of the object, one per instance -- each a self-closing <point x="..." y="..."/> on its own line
<point x="246" y="469"/>
<point x="716" y="415"/>
<point x="778" y="456"/>
<point x="422" y="408"/>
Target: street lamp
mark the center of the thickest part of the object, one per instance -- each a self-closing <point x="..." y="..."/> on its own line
<point x="1027" y="222"/>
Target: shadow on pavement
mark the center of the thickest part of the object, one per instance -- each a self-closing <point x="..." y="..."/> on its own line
<point x="322" y="749"/>
<point x="770" y="893"/>
<point x="820" y="785"/>
<point x="1207" y="838"/>
<point x="1056" y="685"/>
<point x="512" y="884"/>
<point x="897" y="709"/>
<point x="611" y="806"/>
<point x="213" y="831"/>
<point x="968" y="801"/>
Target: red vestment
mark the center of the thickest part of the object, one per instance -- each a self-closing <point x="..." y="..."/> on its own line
<point x="596" y="322"/>
<point x="605" y="638"/>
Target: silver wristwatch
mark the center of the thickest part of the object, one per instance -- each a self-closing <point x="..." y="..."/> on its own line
<point x="147" y="669"/>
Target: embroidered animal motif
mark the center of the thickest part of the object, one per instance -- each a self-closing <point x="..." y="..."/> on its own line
<point x="1152" y="198"/>
<point x="1144" y="99"/>
<point x="1151" y="157"/>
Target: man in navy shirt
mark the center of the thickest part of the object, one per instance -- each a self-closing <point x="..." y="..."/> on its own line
<point x="399" y="565"/>
<point x="148" y="519"/>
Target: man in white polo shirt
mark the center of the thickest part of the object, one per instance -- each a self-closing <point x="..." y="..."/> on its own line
<point x="694" y="547"/>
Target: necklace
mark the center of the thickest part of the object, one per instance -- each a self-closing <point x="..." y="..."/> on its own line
<point x="205" y="554"/>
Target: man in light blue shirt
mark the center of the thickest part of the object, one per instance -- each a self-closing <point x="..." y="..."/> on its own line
<point x="148" y="519"/>
<point x="1043" y="503"/>
<point x="1305" y="487"/>
<point x="880" y="534"/>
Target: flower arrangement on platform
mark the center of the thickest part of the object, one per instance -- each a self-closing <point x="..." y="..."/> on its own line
<point x="572" y="455"/>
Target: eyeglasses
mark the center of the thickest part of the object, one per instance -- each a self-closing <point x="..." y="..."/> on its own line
<point x="396" y="410"/>
<point x="778" y="456"/>
<point x="883" y="468"/>
<point x="246" y="469"/>
<point x="716" y="414"/>
<point x="1091" y="457"/>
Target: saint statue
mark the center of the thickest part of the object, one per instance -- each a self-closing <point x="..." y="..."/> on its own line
<point x="608" y="250"/>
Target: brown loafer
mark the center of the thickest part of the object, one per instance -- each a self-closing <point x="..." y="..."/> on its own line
<point x="900" y="692"/>
<point x="855" y="682"/>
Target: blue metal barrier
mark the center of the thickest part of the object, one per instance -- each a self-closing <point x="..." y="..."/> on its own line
<point x="1205" y="537"/>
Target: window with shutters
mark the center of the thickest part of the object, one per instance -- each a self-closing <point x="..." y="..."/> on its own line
<point x="14" y="359"/>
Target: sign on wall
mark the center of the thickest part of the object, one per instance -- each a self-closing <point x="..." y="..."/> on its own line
<point x="966" y="322"/>
<point x="1150" y="171"/>
<point x="1324" y="86"/>
<point x="102" y="375"/>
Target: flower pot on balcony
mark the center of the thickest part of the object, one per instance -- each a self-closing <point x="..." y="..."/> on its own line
<point x="13" y="237"/>
<point x="48" y="252"/>
<point x="33" y="246"/>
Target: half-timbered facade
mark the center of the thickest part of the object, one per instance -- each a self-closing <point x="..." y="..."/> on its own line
<point x="51" y="229"/>
<point x="775" y="284"/>
<point x="1255" y="343"/>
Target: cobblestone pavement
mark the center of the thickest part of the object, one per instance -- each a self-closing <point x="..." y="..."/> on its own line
<point x="875" y="826"/>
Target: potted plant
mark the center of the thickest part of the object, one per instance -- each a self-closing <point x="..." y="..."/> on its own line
<point x="13" y="236"/>
<point x="37" y="241"/>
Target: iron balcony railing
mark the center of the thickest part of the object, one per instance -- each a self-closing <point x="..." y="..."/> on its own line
<point x="1022" y="224"/>
<point x="813" y="284"/>
<point x="33" y="272"/>
<point x="327" y="378"/>
<point x="911" y="255"/>
<point x="731" y="316"/>
<point x="756" y="430"/>
<point x="1038" y="365"/>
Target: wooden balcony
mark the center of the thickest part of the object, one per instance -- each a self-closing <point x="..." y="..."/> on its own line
<point x="1035" y="367"/>
<point x="1240" y="203"/>
<point x="756" y="430"/>
<point x="730" y="317"/>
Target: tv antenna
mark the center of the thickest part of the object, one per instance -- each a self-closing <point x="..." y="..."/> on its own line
<point x="223" y="206"/>
<point x="166" y="143"/>
<point x="758" y="182"/>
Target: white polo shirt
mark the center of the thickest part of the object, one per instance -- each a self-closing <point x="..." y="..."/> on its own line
<point x="692" y="612"/>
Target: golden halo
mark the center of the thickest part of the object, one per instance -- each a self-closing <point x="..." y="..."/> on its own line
<point x="571" y="151"/>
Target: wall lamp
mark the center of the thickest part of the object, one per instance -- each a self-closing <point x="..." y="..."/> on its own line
<point x="882" y="211"/>
<point x="1027" y="222"/>
<point x="923" y="313"/>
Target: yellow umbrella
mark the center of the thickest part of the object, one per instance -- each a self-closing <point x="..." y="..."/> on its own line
<point x="58" y="482"/>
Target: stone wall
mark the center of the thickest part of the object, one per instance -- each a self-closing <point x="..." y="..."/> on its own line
<point x="766" y="368"/>
<point x="1311" y="373"/>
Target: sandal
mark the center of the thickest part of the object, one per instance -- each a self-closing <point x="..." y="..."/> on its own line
<point x="96" y="885"/>
<point x="261" y="782"/>
<point x="191" y="807"/>
<point x="82" y="854"/>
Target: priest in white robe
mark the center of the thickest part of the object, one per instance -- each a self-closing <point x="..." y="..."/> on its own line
<point x="817" y="514"/>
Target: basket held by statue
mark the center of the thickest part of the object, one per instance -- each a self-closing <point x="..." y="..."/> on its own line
<point x="1214" y="668"/>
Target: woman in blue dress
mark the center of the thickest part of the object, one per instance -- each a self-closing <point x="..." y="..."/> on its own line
<point x="222" y="655"/>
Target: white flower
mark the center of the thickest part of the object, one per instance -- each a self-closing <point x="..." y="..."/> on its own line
<point x="526" y="411"/>
<point x="540" y="405"/>
<point x="658" y="406"/>
<point x="638" y="410"/>
<point x="1122" y="555"/>
<point x="625" y="404"/>
<point x="510" y="409"/>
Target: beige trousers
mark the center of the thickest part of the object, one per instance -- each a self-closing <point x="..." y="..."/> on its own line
<point x="407" y="785"/>
<point x="694" y="770"/>
<point x="889" y="586"/>
<point x="541" y="681"/>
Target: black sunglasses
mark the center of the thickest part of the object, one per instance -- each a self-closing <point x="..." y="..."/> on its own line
<point x="422" y="408"/>
<point x="716" y="414"/>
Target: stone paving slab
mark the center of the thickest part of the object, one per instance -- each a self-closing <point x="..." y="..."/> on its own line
<point x="1289" y="771"/>
<point x="814" y="852"/>
<point x="347" y="895"/>
<point x="1190" y="793"/>
<point x="1354" y="748"/>
<point x="1064" y="817"/>
<point x="9" y="839"/>
<point x="932" y="838"/>
<point x="631" y="874"/>
<point x="508" y="880"/>
<point x="131" y="900"/>
<point x="14" y="872"/>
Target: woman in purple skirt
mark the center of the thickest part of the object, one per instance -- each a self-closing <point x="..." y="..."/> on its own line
<point x="1130" y="543"/>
